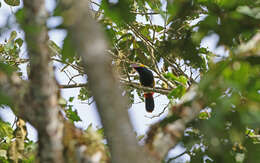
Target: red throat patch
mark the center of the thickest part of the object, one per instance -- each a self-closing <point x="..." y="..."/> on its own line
<point x="148" y="94"/>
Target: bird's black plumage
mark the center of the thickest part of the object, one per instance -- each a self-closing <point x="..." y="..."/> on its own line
<point x="146" y="76"/>
<point x="146" y="79"/>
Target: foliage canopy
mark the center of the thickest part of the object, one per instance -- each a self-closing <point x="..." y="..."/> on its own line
<point x="227" y="85"/>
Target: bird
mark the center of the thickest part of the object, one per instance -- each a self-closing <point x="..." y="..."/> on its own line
<point x="146" y="79"/>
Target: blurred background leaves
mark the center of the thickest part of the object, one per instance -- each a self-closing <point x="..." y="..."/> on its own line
<point x="227" y="129"/>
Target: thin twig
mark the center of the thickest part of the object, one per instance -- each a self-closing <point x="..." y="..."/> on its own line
<point x="158" y="115"/>
<point x="151" y="45"/>
<point x="173" y="158"/>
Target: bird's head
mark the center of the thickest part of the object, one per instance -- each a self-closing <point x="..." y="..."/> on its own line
<point x="137" y="66"/>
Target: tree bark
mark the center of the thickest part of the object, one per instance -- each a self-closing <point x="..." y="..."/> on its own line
<point x="42" y="94"/>
<point x="91" y="46"/>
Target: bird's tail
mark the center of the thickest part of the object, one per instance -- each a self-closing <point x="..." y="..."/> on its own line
<point x="149" y="102"/>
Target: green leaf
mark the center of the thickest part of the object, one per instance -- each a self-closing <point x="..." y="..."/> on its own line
<point x="12" y="2"/>
<point x="83" y="94"/>
<point x="177" y="92"/>
<point x="119" y="12"/>
<point x="5" y="130"/>
<point x="71" y="99"/>
<point x="204" y="115"/>
<point x="253" y="12"/>
<point x="181" y="79"/>
<point x="6" y="68"/>
<point x="3" y="160"/>
<point x="170" y="76"/>
<point x="155" y="5"/>
<point x="68" y="50"/>
<point x="20" y="16"/>
<point x="13" y="35"/>
<point x="101" y="131"/>
<point x="158" y="28"/>
<point x="72" y="115"/>
<point x="140" y="137"/>
<point x="19" y="41"/>
<point x="4" y="99"/>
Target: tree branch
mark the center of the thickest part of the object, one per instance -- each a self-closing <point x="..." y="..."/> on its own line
<point x="42" y="95"/>
<point x="91" y="46"/>
<point x="162" y="138"/>
<point x="124" y="83"/>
